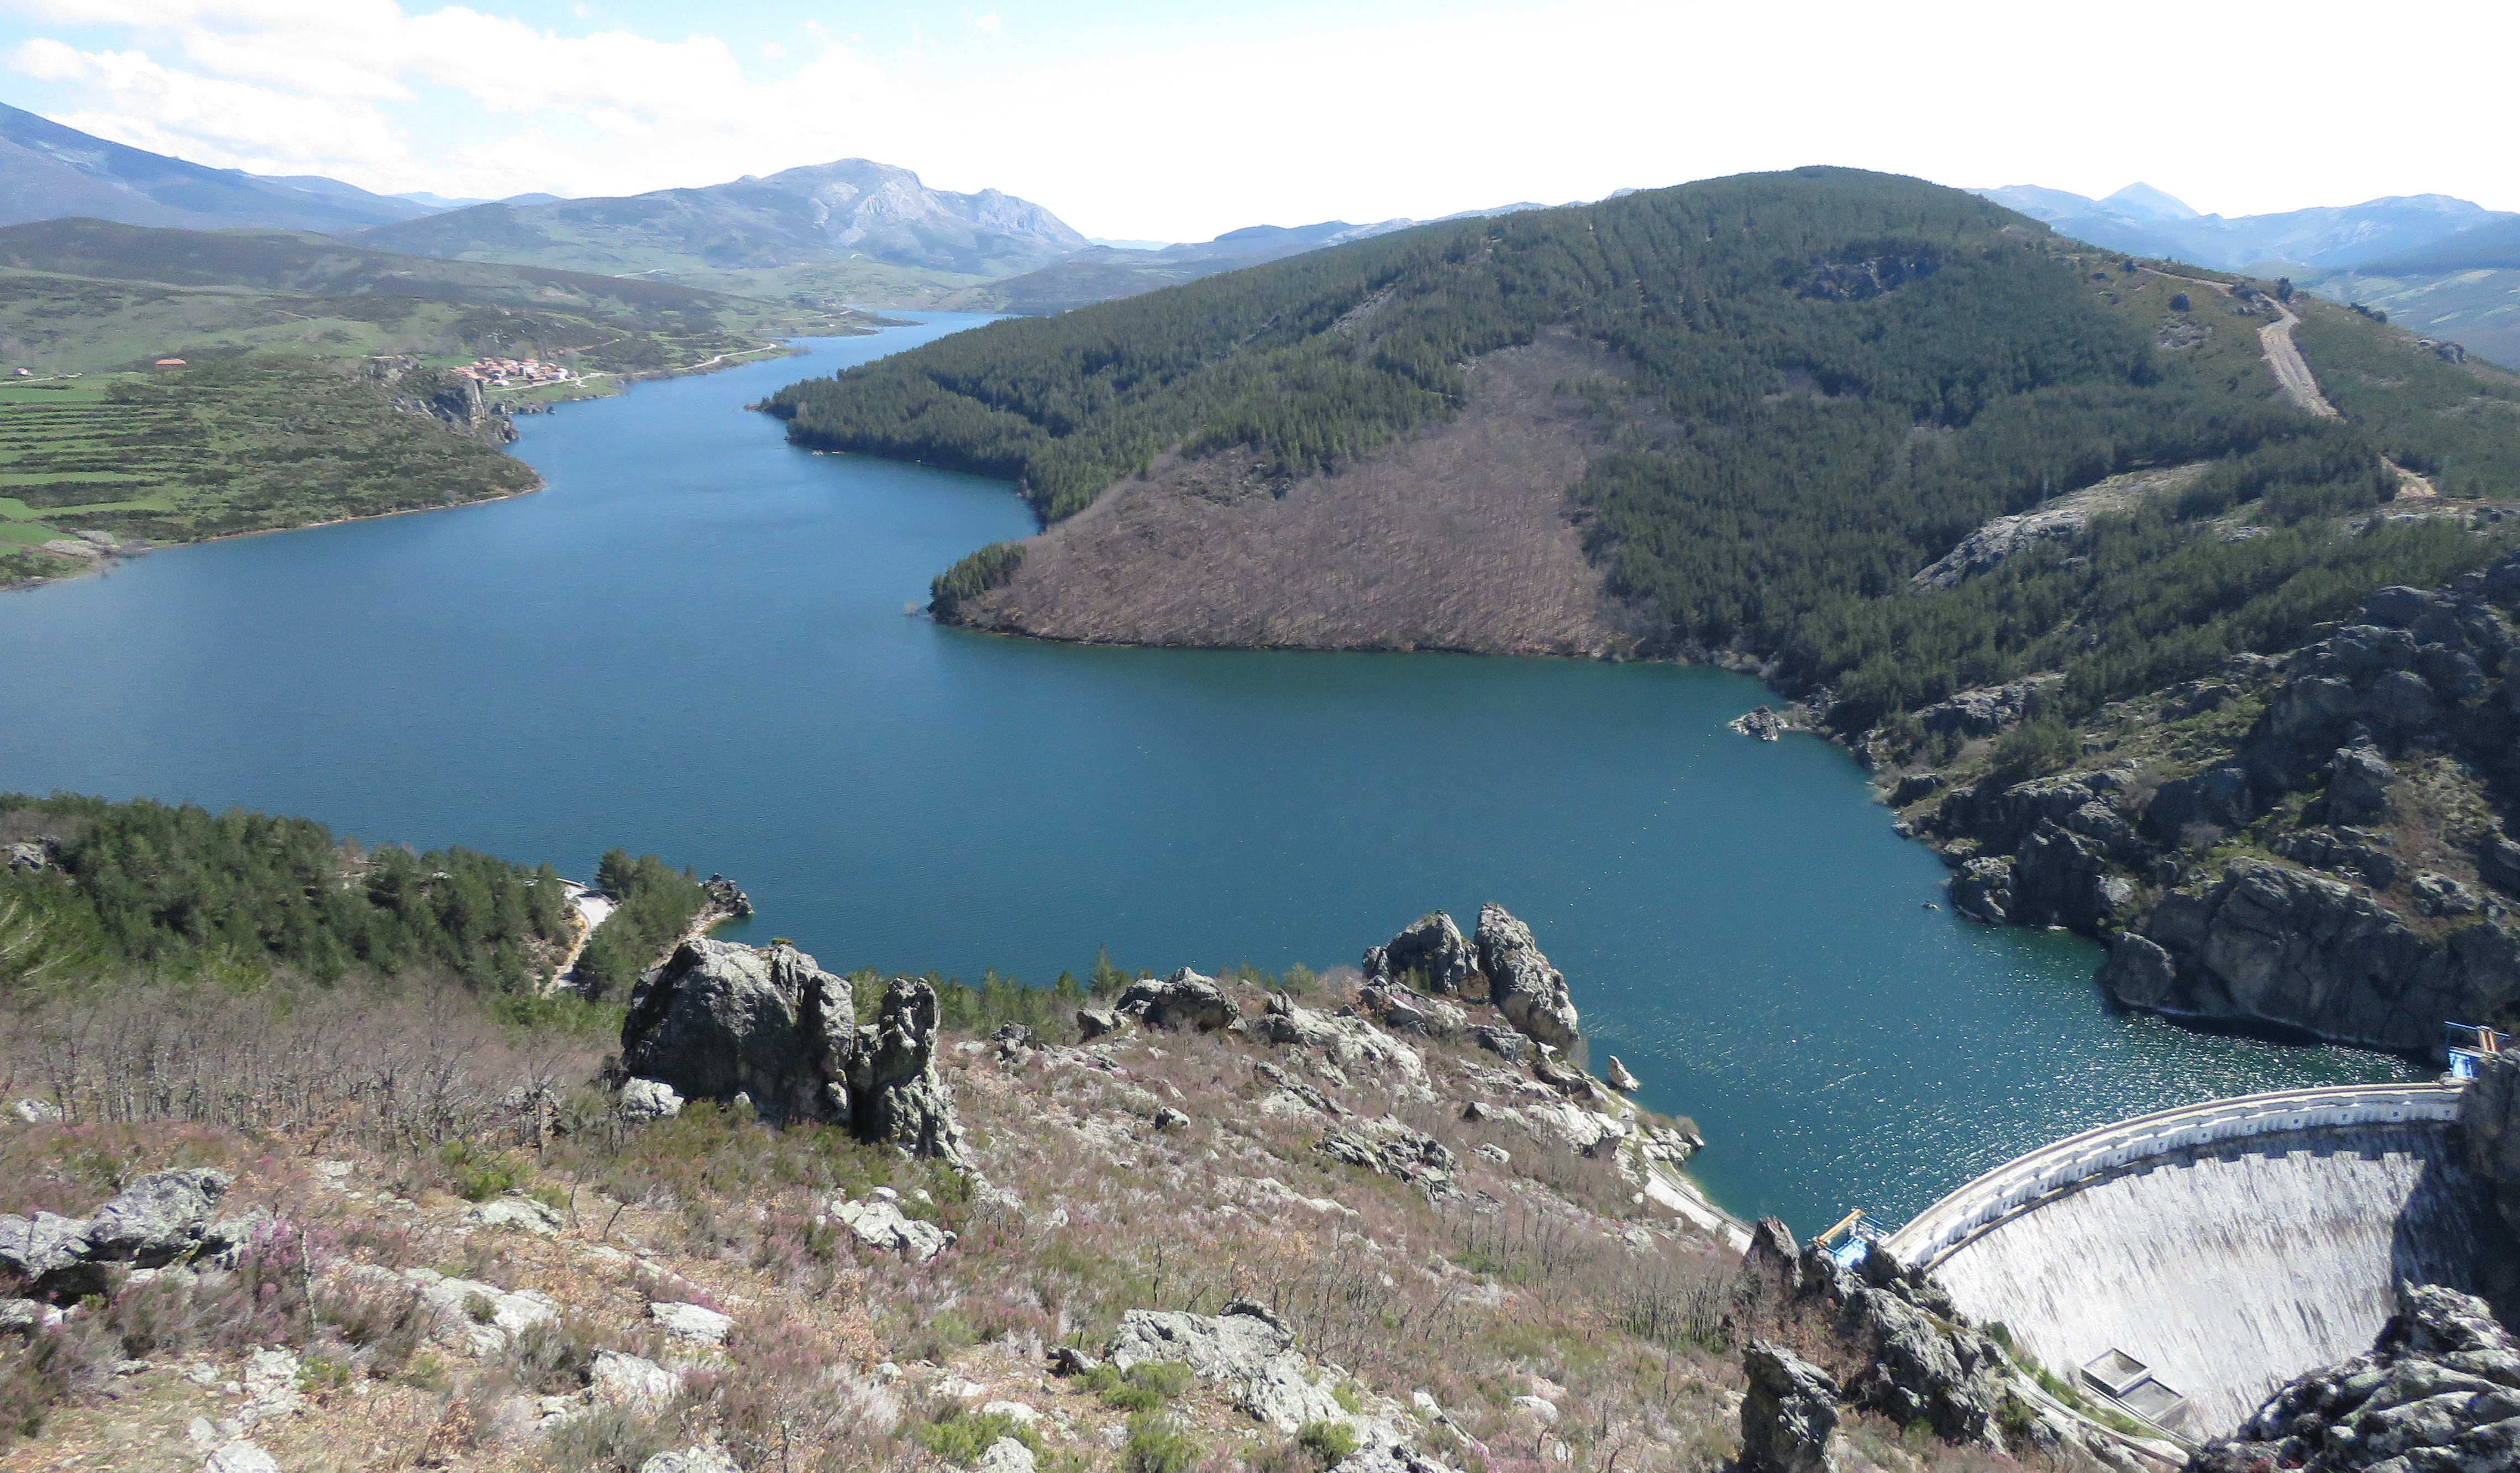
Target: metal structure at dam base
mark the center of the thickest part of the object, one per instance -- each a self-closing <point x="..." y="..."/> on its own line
<point x="2185" y="1264"/>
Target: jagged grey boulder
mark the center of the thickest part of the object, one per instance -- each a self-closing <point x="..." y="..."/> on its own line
<point x="158" y="1218"/>
<point x="879" y="1224"/>
<point x="240" y="1456"/>
<point x="720" y="1020"/>
<point x="693" y="1325"/>
<point x="1245" y="1348"/>
<point x="692" y="1460"/>
<point x="1523" y="986"/>
<point x="1430" y="952"/>
<point x="1985" y="711"/>
<point x="1004" y="1455"/>
<point x="1788" y="1413"/>
<point x="1408" y="1012"/>
<point x="650" y="1099"/>
<point x="2438" y="1392"/>
<point x="632" y="1381"/>
<point x="2358" y="785"/>
<point x="1184" y="999"/>
<point x="898" y="1098"/>
<point x="1349" y="1042"/>
<point x="1389" y="1148"/>
<point x="35" y="1111"/>
<point x="42" y="1246"/>
<point x="769" y="1026"/>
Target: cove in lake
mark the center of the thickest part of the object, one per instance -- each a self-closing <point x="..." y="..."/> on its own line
<point x="694" y="642"/>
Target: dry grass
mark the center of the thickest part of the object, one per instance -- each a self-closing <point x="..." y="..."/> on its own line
<point x="1545" y="1277"/>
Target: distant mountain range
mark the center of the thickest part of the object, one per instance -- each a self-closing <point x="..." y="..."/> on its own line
<point x="854" y="207"/>
<point x="2145" y="221"/>
<point x="1110" y="270"/>
<point x="2443" y="267"/>
<point x="48" y="171"/>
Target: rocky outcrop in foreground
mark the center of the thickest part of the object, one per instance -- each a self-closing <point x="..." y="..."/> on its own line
<point x="770" y="1027"/>
<point x="1530" y="992"/>
<point x="1880" y="1338"/>
<point x="1501" y="958"/>
<point x="2438" y="1392"/>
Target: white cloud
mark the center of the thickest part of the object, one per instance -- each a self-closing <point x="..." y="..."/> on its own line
<point x="1163" y="134"/>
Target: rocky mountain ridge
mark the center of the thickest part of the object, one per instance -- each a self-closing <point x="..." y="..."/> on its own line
<point x="829" y="211"/>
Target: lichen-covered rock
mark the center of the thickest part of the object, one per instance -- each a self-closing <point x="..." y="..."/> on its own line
<point x="1983" y="889"/>
<point x="1389" y="1148"/>
<point x="1985" y="711"/>
<point x="2286" y="945"/>
<point x="1348" y="1041"/>
<point x="157" y="1219"/>
<point x="1184" y="999"/>
<point x="2358" y="785"/>
<point x="770" y="1028"/>
<point x="1429" y="953"/>
<point x="1245" y="1348"/>
<point x="720" y="1020"/>
<point x="1409" y="1011"/>
<point x="2438" y="1392"/>
<point x="645" y="1100"/>
<point x="897" y="1096"/>
<point x="1530" y="992"/>
<point x="1788" y="1413"/>
<point x="632" y="1381"/>
<point x="879" y="1224"/>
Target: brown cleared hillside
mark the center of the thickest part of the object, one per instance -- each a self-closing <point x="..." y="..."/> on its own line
<point x="1460" y="537"/>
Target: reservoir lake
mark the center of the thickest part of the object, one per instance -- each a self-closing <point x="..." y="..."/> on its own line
<point x="701" y="642"/>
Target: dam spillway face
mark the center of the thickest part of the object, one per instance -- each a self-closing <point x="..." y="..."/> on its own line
<point x="2222" y="1249"/>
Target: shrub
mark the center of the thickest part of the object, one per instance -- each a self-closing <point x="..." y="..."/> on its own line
<point x="2180" y="303"/>
<point x="609" y="1440"/>
<point x="1329" y="1442"/>
<point x="1143" y="1387"/>
<point x="2035" y="748"/>
<point x="960" y="1436"/>
<point x="551" y="1359"/>
<point x="1156" y="1445"/>
<point x="478" y="1174"/>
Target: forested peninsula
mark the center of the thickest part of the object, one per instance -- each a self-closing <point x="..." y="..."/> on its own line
<point x="2037" y="529"/>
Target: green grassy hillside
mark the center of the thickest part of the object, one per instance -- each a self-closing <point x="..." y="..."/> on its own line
<point x="1856" y="371"/>
<point x="310" y="370"/>
<point x="253" y="445"/>
<point x="315" y="266"/>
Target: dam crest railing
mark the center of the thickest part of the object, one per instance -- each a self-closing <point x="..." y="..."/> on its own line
<point x="2029" y="1179"/>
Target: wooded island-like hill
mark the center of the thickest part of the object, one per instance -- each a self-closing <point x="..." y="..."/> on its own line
<point x="1815" y="384"/>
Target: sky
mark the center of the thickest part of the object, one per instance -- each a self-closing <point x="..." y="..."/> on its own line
<point x="1179" y="119"/>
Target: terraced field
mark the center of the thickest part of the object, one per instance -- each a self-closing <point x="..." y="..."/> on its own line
<point x="246" y="446"/>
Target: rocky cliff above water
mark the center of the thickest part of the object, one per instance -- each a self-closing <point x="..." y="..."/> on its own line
<point x="2317" y="841"/>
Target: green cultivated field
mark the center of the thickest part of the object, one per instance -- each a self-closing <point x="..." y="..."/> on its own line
<point x="285" y="413"/>
<point x="246" y="446"/>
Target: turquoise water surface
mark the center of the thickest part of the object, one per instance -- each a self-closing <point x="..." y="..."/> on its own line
<point x="695" y="642"/>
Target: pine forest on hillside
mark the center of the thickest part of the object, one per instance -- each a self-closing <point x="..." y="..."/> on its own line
<point x="1855" y="371"/>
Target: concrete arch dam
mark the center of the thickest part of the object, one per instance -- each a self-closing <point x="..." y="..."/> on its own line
<point x="2228" y="1247"/>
